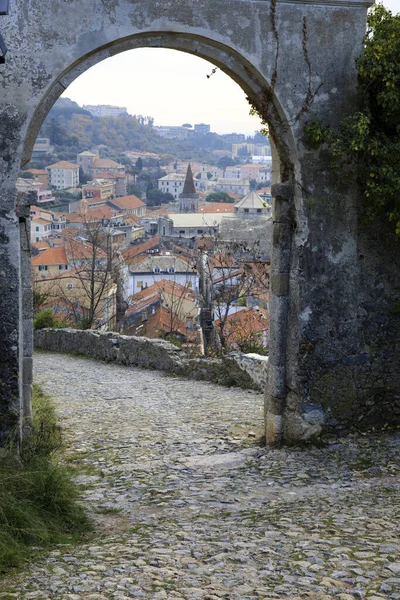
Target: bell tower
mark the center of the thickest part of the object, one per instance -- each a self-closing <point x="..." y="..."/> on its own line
<point x="189" y="199"/>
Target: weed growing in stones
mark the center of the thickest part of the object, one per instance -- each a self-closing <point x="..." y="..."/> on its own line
<point x="38" y="498"/>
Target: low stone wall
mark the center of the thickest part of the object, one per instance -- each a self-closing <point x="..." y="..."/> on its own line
<point x="255" y="365"/>
<point x="247" y="371"/>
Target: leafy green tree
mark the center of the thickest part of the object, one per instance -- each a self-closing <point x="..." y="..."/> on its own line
<point x="134" y="190"/>
<point x="226" y="161"/>
<point x="219" y="197"/>
<point x="155" y="197"/>
<point x="83" y="177"/>
<point x="367" y="144"/>
<point x="253" y="185"/>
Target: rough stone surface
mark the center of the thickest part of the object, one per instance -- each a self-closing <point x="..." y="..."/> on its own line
<point x="187" y="507"/>
<point x="233" y="370"/>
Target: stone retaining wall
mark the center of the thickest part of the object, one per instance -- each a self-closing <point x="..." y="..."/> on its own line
<point x="246" y="371"/>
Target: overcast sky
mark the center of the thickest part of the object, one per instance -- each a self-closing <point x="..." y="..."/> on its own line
<point x="170" y="86"/>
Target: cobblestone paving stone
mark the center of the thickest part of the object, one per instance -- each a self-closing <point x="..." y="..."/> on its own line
<point x="188" y="508"/>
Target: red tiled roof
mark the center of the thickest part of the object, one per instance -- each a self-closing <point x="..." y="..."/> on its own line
<point x="78" y="250"/>
<point x="51" y="256"/>
<point x="105" y="163"/>
<point x="127" y="202"/>
<point x="225" y="207"/>
<point x="137" y="249"/>
<point x="63" y="164"/>
<point x="243" y="323"/>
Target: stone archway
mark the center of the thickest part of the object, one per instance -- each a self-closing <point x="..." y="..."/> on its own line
<point x="294" y="60"/>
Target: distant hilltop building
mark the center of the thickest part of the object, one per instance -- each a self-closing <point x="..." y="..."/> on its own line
<point x="256" y="149"/>
<point x="202" y="128"/>
<point x="234" y="138"/>
<point x="42" y="147"/>
<point x="172" y="131"/>
<point x="105" y="110"/>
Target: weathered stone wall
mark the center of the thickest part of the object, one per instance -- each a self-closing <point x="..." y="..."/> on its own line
<point x="255" y="365"/>
<point x="334" y="286"/>
<point x="149" y="354"/>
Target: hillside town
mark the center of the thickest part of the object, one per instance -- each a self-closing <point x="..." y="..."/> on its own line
<point x="187" y="260"/>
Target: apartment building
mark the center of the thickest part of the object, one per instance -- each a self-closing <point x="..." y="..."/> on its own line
<point x="64" y="175"/>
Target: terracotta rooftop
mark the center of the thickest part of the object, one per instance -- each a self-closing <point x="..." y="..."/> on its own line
<point x="63" y="164"/>
<point x="41" y="221"/>
<point x="127" y="202"/>
<point x="51" y="256"/>
<point x="107" y="175"/>
<point x="164" y="285"/>
<point x="137" y="249"/>
<point x="223" y="207"/>
<point x="105" y="163"/>
<point x="244" y="323"/>
<point x="80" y="250"/>
<point x="36" y="171"/>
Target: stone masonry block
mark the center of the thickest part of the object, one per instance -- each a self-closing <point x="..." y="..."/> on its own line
<point x="280" y="284"/>
<point x="27" y="370"/>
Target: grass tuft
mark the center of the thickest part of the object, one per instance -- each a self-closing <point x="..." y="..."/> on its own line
<point x="38" y="497"/>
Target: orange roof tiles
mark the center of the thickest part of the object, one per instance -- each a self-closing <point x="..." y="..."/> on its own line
<point x="63" y="164"/>
<point x="105" y="163"/>
<point x="78" y="250"/>
<point x="225" y="207"/>
<point x="137" y="249"/>
<point x="41" y="221"/>
<point x="244" y="323"/>
<point x="51" y="256"/>
<point x="127" y="202"/>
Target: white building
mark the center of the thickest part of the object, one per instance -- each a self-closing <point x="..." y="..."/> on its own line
<point x="174" y="183"/>
<point x="252" y="206"/>
<point x="64" y="175"/>
<point x="172" y="131"/>
<point x="105" y="110"/>
<point x="191" y="224"/>
<point x="241" y="187"/>
<point x="150" y="269"/>
<point x="41" y="229"/>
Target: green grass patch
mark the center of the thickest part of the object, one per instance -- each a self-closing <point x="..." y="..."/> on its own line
<point x="38" y="497"/>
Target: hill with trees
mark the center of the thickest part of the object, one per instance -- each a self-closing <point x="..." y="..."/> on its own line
<point x="72" y="129"/>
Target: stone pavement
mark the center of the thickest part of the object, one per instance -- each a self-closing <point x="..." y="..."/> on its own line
<point x="189" y="507"/>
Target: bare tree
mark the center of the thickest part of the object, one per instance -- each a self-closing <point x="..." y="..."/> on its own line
<point x="228" y="275"/>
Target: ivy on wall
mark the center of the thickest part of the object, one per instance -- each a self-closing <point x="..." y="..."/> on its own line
<point x="367" y="144"/>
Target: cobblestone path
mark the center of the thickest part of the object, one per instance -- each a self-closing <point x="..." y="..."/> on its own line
<point x="188" y="507"/>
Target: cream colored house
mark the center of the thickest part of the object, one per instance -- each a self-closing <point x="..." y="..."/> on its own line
<point x="64" y="175"/>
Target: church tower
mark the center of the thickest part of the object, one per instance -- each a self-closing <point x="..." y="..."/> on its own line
<point x="189" y="200"/>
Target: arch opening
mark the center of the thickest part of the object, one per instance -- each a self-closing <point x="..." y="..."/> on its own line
<point x="257" y="90"/>
<point x="236" y="66"/>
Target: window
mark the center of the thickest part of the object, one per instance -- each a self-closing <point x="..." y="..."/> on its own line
<point x="70" y="286"/>
<point x="199" y="231"/>
<point x="258" y="210"/>
<point x="62" y="267"/>
<point x="37" y="228"/>
<point x="246" y="210"/>
<point x="170" y="270"/>
<point x="42" y="267"/>
<point x="156" y="270"/>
